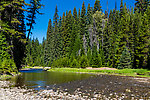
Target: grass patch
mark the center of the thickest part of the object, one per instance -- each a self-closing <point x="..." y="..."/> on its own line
<point x="8" y="76"/>
<point x="5" y="77"/>
<point x="123" y="72"/>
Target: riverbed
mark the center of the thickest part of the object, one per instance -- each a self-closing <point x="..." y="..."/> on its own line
<point x="54" y="85"/>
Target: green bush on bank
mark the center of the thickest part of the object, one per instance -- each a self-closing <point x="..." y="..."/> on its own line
<point x="81" y="62"/>
<point x="7" y="66"/>
<point x="84" y="62"/>
<point x="74" y="64"/>
<point x="61" y="62"/>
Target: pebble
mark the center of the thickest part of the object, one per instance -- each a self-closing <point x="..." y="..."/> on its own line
<point x="17" y="93"/>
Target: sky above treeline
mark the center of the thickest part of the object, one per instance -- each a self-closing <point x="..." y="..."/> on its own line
<point x="40" y="28"/>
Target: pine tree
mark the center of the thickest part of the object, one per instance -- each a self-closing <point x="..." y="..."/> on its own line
<point x="49" y="44"/>
<point x="69" y="35"/>
<point x="56" y="32"/>
<point x="12" y="26"/>
<point x="83" y="29"/>
<point x="123" y="34"/>
<point x="141" y="5"/>
<point x="147" y="15"/>
<point x="63" y="31"/>
<point x="89" y="15"/>
<point x="3" y="48"/>
<point x="75" y="34"/>
<point x="60" y="38"/>
<point x="83" y="19"/>
<point x="121" y="8"/>
<point x="43" y="45"/>
<point x="28" y="59"/>
<point x="141" y="39"/>
<point x="125" y="59"/>
<point x="107" y="45"/>
<point x="33" y="10"/>
<point x="97" y="6"/>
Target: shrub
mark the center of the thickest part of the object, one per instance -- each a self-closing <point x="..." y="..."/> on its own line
<point x="83" y="61"/>
<point x="65" y="62"/>
<point x="8" y="66"/>
<point x="125" y="59"/>
<point x="74" y="64"/>
<point x="61" y="62"/>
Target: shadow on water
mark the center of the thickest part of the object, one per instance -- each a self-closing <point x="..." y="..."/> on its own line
<point x="39" y="79"/>
<point x="32" y="71"/>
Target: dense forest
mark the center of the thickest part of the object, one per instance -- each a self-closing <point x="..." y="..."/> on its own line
<point x="16" y="23"/>
<point x="89" y="37"/>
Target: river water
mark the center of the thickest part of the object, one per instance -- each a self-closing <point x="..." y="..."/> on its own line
<point x="39" y="79"/>
<point x="88" y="84"/>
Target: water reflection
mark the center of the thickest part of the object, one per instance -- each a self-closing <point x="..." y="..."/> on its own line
<point x="42" y="79"/>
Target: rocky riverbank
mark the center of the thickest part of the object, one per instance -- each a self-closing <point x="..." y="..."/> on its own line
<point x="101" y="87"/>
<point x="17" y="93"/>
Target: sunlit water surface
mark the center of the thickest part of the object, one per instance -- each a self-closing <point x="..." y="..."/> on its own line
<point x="39" y="79"/>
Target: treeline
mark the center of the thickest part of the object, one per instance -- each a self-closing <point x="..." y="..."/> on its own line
<point x="14" y="24"/>
<point x="89" y="37"/>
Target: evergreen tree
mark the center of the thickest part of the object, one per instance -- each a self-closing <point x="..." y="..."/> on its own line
<point x="119" y="39"/>
<point x="98" y="23"/>
<point x="89" y="15"/>
<point x="60" y="38"/>
<point x="49" y="43"/>
<point x="28" y="59"/>
<point x="12" y="26"/>
<point x="83" y="29"/>
<point x="97" y="6"/>
<point x="56" y="32"/>
<point x="4" y="49"/>
<point x="121" y="8"/>
<point x="33" y="10"/>
<point x="141" y="39"/>
<point x="141" y="5"/>
<point x="75" y="35"/>
<point x="125" y="59"/>
<point x="63" y="28"/>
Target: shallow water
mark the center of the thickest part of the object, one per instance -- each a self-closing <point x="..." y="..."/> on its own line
<point x="111" y="86"/>
<point x="39" y="79"/>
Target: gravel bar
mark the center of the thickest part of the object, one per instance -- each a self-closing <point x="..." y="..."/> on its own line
<point x="100" y="87"/>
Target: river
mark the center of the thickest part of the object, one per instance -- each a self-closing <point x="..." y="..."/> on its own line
<point x="39" y="79"/>
<point x="85" y="85"/>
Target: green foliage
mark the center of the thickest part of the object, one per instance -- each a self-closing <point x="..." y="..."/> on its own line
<point x="119" y="39"/>
<point x="4" y="47"/>
<point x="97" y="6"/>
<point x="83" y="61"/>
<point x="89" y="15"/>
<point x="61" y="62"/>
<point x="8" y="66"/>
<point x="74" y="64"/>
<point x="83" y="33"/>
<point x="49" y="45"/>
<point x="141" y="5"/>
<point x="32" y="11"/>
<point x="125" y="60"/>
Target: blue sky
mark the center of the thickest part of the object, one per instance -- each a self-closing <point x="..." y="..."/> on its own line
<point x="40" y="28"/>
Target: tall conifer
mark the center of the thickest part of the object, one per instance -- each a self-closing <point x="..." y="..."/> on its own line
<point x="97" y="6"/>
